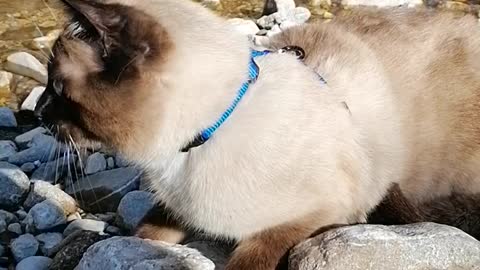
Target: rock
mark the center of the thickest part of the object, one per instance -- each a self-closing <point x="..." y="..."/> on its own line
<point x="287" y="24"/>
<point x="275" y="30"/>
<point x="46" y="42"/>
<point x="25" y="64"/>
<point x="34" y="263"/>
<point x="55" y="170"/>
<point x="246" y="27"/>
<point x="14" y="186"/>
<point x="2" y="251"/>
<point x="85" y="225"/>
<point x="49" y="242"/>
<point x="28" y="167"/>
<point x="7" y="118"/>
<point x="300" y="15"/>
<point x="5" y="81"/>
<point x="107" y="217"/>
<point x="216" y="251"/>
<point x="110" y="163"/>
<point x="46" y="215"/>
<point x="3" y="225"/>
<point x="284" y="6"/>
<point x="24" y="139"/>
<point x="382" y="3"/>
<point x="73" y="217"/>
<point x="15" y="228"/>
<point x="95" y="163"/>
<point x="42" y="190"/>
<point x="121" y="161"/>
<point x="7" y="149"/>
<point x="72" y="248"/>
<point x="103" y="191"/>
<point x="42" y="148"/>
<point x="373" y="247"/>
<point x="113" y="230"/>
<point x="133" y="208"/>
<point x="21" y="214"/>
<point x="120" y="253"/>
<point x="266" y="22"/>
<point x="31" y="101"/>
<point x="24" y="246"/>
<point x="8" y="217"/>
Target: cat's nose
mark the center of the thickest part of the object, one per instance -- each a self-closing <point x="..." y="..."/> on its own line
<point x="42" y="105"/>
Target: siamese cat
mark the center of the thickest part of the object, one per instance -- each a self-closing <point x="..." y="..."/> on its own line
<point x="254" y="146"/>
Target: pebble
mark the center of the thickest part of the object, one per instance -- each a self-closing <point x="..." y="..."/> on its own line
<point x="95" y="163"/>
<point x="46" y="42"/>
<point x="7" y="118"/>
<point x="31" y="101"/>
<point x="73" y="217"/>
<point x="46" y="215"/>
<point x="24" y="246"/>
<point x="28" y="167"/>
<point x="107" y="217"/>
<point x="102" y="192"/>
<point x="5" y="81"/>
<point x="15" y="228"/>
<point x="113" y="230"/>
<point x="244" y="26"/>
<point x="300" y="15"/>
<point x="121" y="161"/>
<point x="24" y="139"/>
<point x="110" y="163"/>
<point x="14" y="185"/>
<point x="49" y="242"/>
<point x="3" y="225"/>
<point x="85" y="225"/>
<point x="21" y="214"/>
<point x="138" y="254"/>
<point x="34" y="263"/>
<point x="7" y="149"/>
<point x="55" y="170"/>
<point x="415" y="246"/>
<point x="42" y="191"/>
<point x="25" y="64"/>
<point x="8" y="217"/>
<point x="42" y="148"/>
<point x="133" y="208"/>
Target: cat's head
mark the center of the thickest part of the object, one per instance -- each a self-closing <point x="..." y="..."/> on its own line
<point x="100" y="71"/>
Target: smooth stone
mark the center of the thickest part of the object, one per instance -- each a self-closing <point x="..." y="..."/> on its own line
<point x="31" y="101"/>
<point x="14" y="185"/>
<point x="28" y="167"/>
<point x="133" y="208"/>
<point x="15" y="228"/>
<point x="102" y="192"/>
<point x="42" y="191"/>
<point x="285" y="5"/>
<point x="49" y="242"/>
<point x="300" y="15"/>
<point x="374" y="247"/>
<point x="42" y="148"/>
<point x="8" y="217"/>
<point x="24" y="246"/>
<point x="71" y="249"/>
<point x="3" y="225"/>
<point x="85" y="225"/>
<point x="46" y="215"/>
<point x="7" y="149"/>
<point x="7" y="118"/>
<point x="121" y="161"/>
<point x="119" y="253"/>
<point x="110" y="163"/>
<point x="34" y="263"/>
<point x="21" y="214"/>
<point x="95" y="163"/>
<point x="55" y="170"/>
<point x="46" y="42"/>
<point x="107" y="217"/>
<point x="244" y="26"/>
<point x="24" y="139"/>
<point x="25" y="64"/>
<point x="113" y="230"/>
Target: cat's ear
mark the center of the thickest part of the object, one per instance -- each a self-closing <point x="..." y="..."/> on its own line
<point x="96" y="19"/>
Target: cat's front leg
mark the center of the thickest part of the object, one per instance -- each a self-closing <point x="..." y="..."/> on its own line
<point x="268" y="250"/>
<point x="160" y="225"/>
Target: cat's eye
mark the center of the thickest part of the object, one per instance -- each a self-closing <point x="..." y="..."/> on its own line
<point x="58" y="87"/>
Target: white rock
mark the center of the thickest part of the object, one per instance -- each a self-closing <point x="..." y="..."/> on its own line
<point x="31" y="101"/>
<point x="284" y="6"/>
<point x="25" y="64"/>
<point x="5" y="80"/>
<point x="246" y="27"/>
<point x="46" y="42"/>
<point x="381" y="3"/>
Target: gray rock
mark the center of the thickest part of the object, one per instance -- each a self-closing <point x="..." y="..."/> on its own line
<point x="72" y="248"/>
<point x="24" y="139"/>
<point x="133" y="208"/>
<point x="119" y="253"/>
<point x="42" y="148"/>
<point x="373" y="247"/>
<point x="216" y="251"/>
<point x="46" y="215"/>
<point x="2" y="250"/>
<point x="14" y="185"/>
<point x="95" y="163"/>
<point x="15" y="228"/>
<point x="3" y="225"/>
<point x="103" y="191"/>
<point x="7" y="118"/>
<point x="34" y="263"/>
<point x="110" y="163"/>
<point x="113" y="230"/>
<point x="21" y="214"/>
<point x="107" y="217"/>
<point x="31" y="101"/>
<point x="8" y="217"/>
<point x="121" y="161"/>
<point x="85" y="225"/>
<point x="7" y="149"/>
<point x="55" y="170"/>
<point x="49" y="242"/>
<point x="24" y="246"/>
<point x="25" y="64"/>
<point x="28" y="167"/>
<point x="42" y="190"/>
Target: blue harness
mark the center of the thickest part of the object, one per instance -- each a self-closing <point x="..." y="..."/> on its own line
<point x="253" y="72"/>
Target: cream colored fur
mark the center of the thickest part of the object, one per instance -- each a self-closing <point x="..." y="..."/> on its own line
<point x="291" y="149"/>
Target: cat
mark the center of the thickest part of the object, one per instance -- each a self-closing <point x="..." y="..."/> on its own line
<point x="286" y="153"/>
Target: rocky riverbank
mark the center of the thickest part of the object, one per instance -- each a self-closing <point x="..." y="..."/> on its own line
<point x="67" y="209"/>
